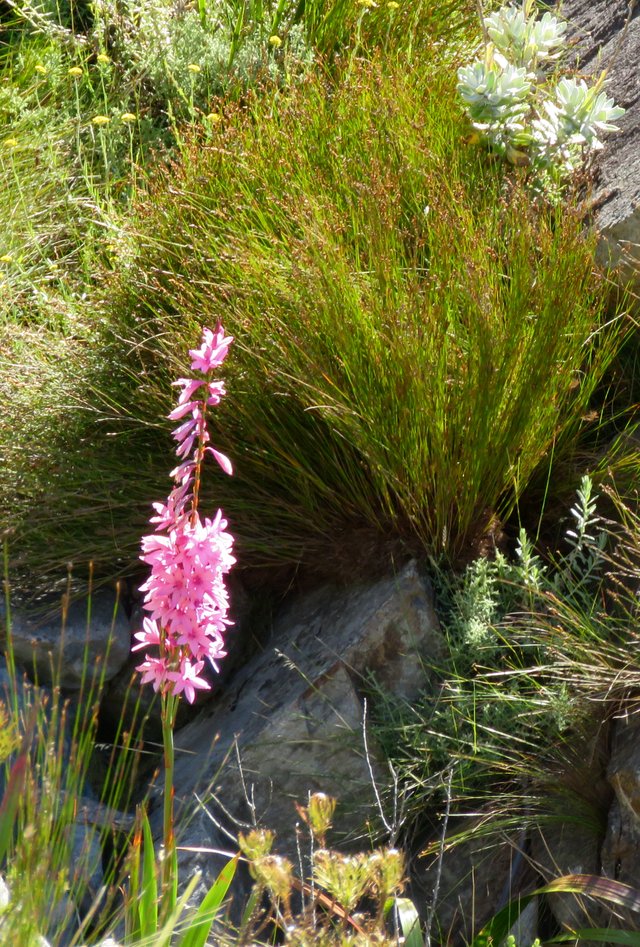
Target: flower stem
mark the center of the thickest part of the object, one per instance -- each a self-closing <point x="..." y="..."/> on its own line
<point x="169" y="873"/>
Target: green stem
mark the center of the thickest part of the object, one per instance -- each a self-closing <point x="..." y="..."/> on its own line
<point x="168" y="895"/>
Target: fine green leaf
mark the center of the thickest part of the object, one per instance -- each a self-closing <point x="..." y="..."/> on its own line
<point x="607" y="889"/>
<point x="408" y="918"/>
<point x="204" y="917"/>
<point x="149" y="893"/>
<point x="600" y="935"/>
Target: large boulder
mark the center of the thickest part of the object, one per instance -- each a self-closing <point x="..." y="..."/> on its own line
<point x="290" y="721"/>
<point x="620" y="852"/>
<point x="605" y="35"/>
<point x="69" y="650"/>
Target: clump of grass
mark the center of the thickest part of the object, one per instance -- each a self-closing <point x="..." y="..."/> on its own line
<point x="415" y="338"/>
<point x="56" y="822"/>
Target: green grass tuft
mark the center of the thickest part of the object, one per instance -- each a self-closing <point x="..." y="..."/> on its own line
<point x="414" y="338"/>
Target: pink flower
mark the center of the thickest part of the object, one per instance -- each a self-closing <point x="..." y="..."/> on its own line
<point x="185" y="595"/>
<point x="189" y="387"/>
<point x="185" y="429"/>
<point x="186" y="679"/>
<point x="149" y="636"/>
<point x="183" y="409"/>
<point x="216" y="391"/>
<point x="212" y="352"/>
<point x="154" y="671"/>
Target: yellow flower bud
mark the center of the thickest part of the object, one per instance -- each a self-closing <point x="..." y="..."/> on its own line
<point x="11" y="143"/>
<point x="276" y="873"/>
<point x="6" y="258"/>
<point x="100" y="120"/>
<point x="41" y="69"/>
<point x="128" y="117"/>
<point x="256" y="844"/>
<point x="320" y="812"/>
<point x="193" y="67"/>
<point x="275" y="41"/>
<point x="214" y="118"/>
<point x="75" y="71"/>
<point x="103" y="59"/>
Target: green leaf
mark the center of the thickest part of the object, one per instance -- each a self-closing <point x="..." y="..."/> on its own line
<point x="408" y="918"/>
<point x="252" y="901"/>
<point x="204" y="917"/>
<point x="495" y="931"/>
<point x="600" y="934"/>
<point x="594" y="886"/>
<point x="163" y="937"/>
<point x="149" y="892"/>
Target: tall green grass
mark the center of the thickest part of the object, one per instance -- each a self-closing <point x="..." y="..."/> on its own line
<point x="68" y="810"/>
<point x="415" y="339"/>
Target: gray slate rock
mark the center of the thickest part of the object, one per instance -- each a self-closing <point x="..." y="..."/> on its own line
<point x="621" y="846"/>
<point x="293" y="715"/>
<point x="603" y="40"/>
<point x="571" y="847"/>
<point x="470" y="882"/>
<point x="41" y="642"/>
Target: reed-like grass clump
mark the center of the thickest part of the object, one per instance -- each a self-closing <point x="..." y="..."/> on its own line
<point x="416" y="339"/>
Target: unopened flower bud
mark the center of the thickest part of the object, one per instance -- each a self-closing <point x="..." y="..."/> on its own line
<point x="256" y="844"/>
<point x="276" y="873"/>
<point x="320" y="812"/>
<point x="388" y="870"/>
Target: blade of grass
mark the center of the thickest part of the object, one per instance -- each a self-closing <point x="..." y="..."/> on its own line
<point x="200" y="924"/>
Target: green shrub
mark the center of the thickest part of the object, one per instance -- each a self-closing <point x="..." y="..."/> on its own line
<point x="414" y="338"/>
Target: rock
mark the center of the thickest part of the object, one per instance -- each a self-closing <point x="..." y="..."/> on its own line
<point x="525" y="930"/>
<point x="65" y="651"/>
<point x="567" y="848"/>
<point x="292" y="716"/>
<point x="471" y="882"/>
<point x="621" y="846"/>
<point x="607" y="36"/>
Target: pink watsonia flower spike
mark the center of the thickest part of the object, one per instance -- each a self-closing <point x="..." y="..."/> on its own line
<point x="186" y="599"/>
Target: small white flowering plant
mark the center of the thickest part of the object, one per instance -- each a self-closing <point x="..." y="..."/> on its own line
<point x="524" y="113"/>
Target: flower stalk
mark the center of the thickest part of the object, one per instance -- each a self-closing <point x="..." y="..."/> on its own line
<point x="185" y="594"/>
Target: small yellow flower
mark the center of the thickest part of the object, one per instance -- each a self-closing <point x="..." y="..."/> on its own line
<point x="11" y="143"/>
<point x="193" y="67"/>
<point x="41" y="69"/>
<point x="214" y="118"/>
<point x="100" y="120"/>
<point x="128" y="117"/>
<point x="367" y="4"/>
<point x="392" y="5"/>
<point x="75" y="71"/>
<point x="275" y="41"/>
<point x="103" y="59"/>
<point x="6" y="258"/>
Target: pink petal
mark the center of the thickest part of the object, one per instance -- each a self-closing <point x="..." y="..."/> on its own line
<point x="182" y="409"/>
<point x="222" y="459"/>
